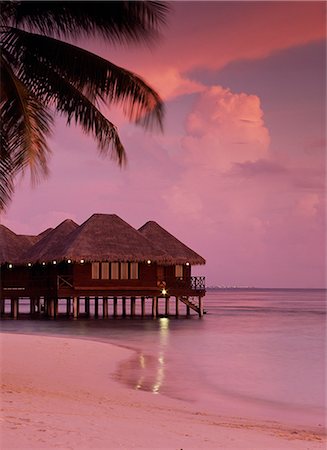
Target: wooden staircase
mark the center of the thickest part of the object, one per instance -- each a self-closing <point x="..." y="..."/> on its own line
<point x="190" y="304"/>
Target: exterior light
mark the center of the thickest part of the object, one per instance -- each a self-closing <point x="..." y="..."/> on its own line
<point x="164" y="291"/>
<point x="10" y="266"/>
<point x="43" y="264"/>
<point x="69" y="261"/>
<point x="187" y="263"/>
<point x="82" y="261"/>
<point x="149" y="261"/>
<point x="29" y="264"/>
<point x="54" y="262"/>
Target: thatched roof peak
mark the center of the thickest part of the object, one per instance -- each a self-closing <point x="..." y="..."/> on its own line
<point x="12" y="245"/>
<point x="179" y="252"/>
<point x="50" y="242"/>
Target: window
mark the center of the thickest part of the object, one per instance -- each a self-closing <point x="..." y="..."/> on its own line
<point x="114" y="271"/>
<point x="134" y="271"/>
<point x="124" y="271"/>
<point x="95" y="271"/>
<point x="179" y="271"/>
<point x="105" y="271"/>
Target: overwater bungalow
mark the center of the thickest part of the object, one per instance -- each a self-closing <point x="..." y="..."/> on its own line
<point x="104" y="261"/>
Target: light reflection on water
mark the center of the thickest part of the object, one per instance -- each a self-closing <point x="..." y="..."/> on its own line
<point x="147" y="372"/>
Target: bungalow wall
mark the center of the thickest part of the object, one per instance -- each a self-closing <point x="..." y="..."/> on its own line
<point x="110" y="279"/>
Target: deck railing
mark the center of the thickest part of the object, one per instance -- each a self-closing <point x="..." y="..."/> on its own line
<point x="64" y="282"/>
<point x="198" y="283"/>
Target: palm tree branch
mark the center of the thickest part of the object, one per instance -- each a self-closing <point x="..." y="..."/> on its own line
<point x="53" y="89"/>
<point x="97" y="78"/>
<point x="25" y="124"/>
<point x="117" y="21"/>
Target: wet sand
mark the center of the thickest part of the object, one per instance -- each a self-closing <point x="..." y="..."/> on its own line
<point x="65" y="393"/>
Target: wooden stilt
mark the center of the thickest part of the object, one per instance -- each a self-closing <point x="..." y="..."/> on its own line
<point x="14" y="308"/>
<point x="38" y="305"/>
<point x="157" y="306"/>
<point x="188" y="309"/>
<point x="2" y="306"/>
<point x="154" y="307"/>
<point x="52" y="308"/>
<point x="32" y="308"/>
<point x="124" y="306"/>
<point x="75" y="307"/>
<point x="115" y="306"/>
<point x="200" y="306"/>
<point x="68" y="308"/>
<point x="167" y="306"/>
<point x="177" y="306"/>
<point x="142" y="306"/>
<point x="56" y="307"/>
<point x="132" y="306"/>
<point x="96" y="307"/>
<point x="105" y="306"/>
<point x="87" y="306"/>
<point x="46" y="306"/>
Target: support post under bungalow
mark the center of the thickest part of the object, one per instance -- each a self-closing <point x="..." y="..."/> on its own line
<point x="2" y="306"/>
<point x="32" y="305"/>
<point x="167" y="306"/>
<point x="132" y="306"/>
<point x="157" y="306"/>
<point x="14" y="308"/>
<point x="200" y="306"/>
<point x="154" y="307"/>
<point x="188" y="309"/>
<point x="38" y="305"/>
<point x="142" y="306"/>
<point x="124" y="306"/>
<point x="51" y="302"/>
<point x="177" y="306"/>
<point x="105" y="306"/>
<point x="75" y="307"/>
<point x="87" y="305"/>
<point x="96" y="307"/>
<point x="115" y="306"/>
<point x="68" y="306"/>
<point x="56" y="307"/>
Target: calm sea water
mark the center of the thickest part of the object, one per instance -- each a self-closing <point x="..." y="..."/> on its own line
<point x="256" y="353"/>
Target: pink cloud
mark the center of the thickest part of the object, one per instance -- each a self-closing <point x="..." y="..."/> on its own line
<point x="227" y="127"/>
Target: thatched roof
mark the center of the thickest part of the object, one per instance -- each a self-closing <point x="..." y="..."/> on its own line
<point x="103" y="237"/>
<point x="51" y="240"/>
<point x="12" y="245"/>
<point x="178" y="252"/>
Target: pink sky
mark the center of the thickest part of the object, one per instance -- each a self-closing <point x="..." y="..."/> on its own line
<point x="238" y="174"/>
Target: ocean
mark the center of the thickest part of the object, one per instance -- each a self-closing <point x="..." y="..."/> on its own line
<point x="256" y="353"/>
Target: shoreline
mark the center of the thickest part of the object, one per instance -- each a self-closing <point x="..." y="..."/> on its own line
<point x="61" y="392"/>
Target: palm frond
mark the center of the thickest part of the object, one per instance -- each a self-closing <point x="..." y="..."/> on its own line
<point x="117" y="21"/>
<point x="52" y="89"/>
<point x="97" y="78"/>
<point x="7" y="172"/>
<point x="25" y="125"/>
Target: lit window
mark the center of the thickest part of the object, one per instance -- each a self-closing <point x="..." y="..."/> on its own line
<point x="95" y="271"/>
<point x="124" y="271"/>
<point x="105" y="271"/>
<point x="179" y="271"/>
<point x="134" y="271"/>
<point x="114" y="270"/>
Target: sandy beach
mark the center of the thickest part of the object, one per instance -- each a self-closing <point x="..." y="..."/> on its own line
<point x="62" y="393"/>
